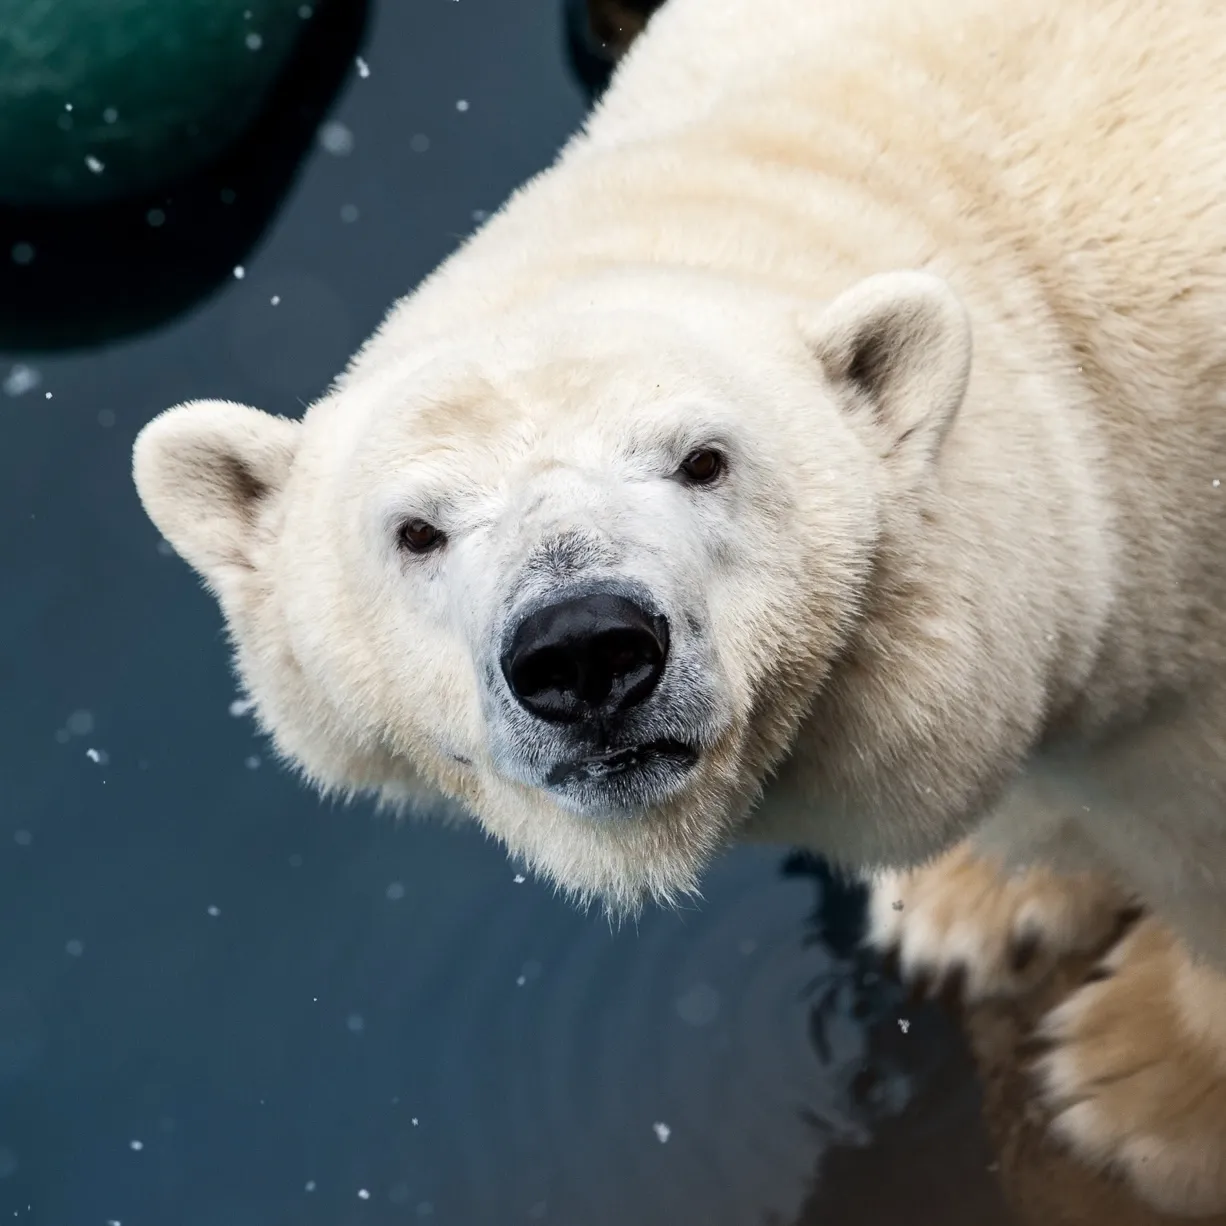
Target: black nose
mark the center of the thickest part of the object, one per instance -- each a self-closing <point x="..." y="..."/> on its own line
<point x="585" y="658"/>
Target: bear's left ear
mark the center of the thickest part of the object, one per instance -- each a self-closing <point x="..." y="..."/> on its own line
<point x="901" y="342"/>
<point x="205" y="472"/>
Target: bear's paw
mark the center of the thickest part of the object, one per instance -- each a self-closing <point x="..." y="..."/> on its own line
<point x="1135" y="1072"/>
<point x="964" y="924"/>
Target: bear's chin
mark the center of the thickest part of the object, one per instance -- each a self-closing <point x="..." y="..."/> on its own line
<point x="623" y="782"/>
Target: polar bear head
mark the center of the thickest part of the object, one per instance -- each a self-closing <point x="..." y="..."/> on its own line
<point x="582" y="569"/>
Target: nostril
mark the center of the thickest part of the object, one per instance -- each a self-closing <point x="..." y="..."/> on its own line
<point x="589" y="657"/>
<point x="535" y="671"/>
<point x="624" y="661"/>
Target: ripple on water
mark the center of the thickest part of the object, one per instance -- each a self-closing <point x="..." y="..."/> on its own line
<point x="695" y="1028"/>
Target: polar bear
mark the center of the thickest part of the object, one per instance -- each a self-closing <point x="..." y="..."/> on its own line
<point x="828" y="448"/>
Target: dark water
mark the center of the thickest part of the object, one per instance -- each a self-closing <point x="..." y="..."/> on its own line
<point x="223" y="1004"/>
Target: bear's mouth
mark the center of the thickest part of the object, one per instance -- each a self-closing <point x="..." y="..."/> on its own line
<point x="600" y="767"/>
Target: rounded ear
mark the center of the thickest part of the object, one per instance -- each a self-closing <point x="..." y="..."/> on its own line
<point x="902" y="342"/>
<point x="204" y="472"/>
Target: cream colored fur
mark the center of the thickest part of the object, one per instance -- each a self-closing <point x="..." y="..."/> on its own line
<point x="966" y="575"/>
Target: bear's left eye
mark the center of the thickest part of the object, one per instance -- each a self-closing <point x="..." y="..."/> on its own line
<point x="417" y="536"/>
<point x="702" y="466"/>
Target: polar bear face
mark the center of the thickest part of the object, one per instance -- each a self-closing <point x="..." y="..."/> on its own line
<point x="582" y="570"/>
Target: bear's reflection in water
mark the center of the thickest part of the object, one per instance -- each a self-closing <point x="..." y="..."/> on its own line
<point x="969" y="1147"/>
<point x="927" y="1158"/>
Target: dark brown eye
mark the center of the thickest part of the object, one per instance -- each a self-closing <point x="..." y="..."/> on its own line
<point x="417" y="536"/>
<point x="702" y="466"/>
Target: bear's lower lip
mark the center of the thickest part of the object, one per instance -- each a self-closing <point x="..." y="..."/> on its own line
<point x="603" y="766"/>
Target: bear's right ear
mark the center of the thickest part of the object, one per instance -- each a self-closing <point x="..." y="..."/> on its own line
<point x="204" y="471"/>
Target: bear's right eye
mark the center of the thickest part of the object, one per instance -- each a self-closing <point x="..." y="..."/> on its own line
<point x="417" y="536"/>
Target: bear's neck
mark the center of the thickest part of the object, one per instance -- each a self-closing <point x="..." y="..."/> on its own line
<point x="984" y="622"/>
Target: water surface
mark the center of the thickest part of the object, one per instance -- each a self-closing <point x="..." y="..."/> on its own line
<point x="225" y="1004"/>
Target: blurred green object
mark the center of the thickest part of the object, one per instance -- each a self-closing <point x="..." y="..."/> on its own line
<point x="101" y="99"/>
<point x="160" y="231"/>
